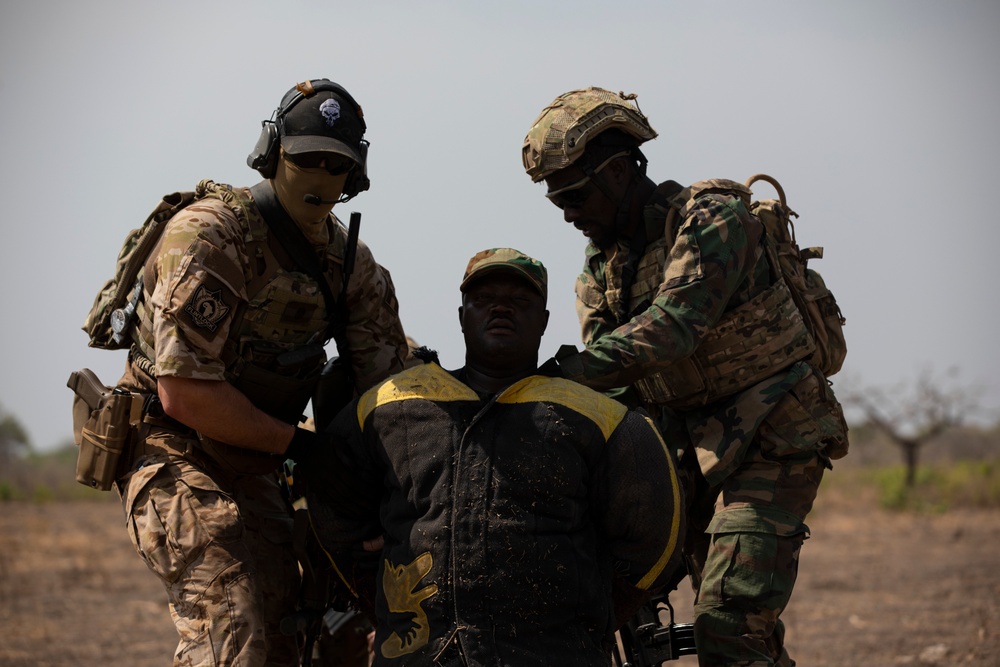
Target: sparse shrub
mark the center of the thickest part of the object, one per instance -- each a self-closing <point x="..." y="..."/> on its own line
<point x="46" y="477"/>
<point x="939" y="488"/>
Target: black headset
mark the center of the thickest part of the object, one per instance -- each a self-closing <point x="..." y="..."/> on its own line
<point x="264" y="157"/>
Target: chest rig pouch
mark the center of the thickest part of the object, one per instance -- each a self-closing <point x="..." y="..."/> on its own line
<point x="275" y="352"/>
<point x="748" y="344"/>
<point x="291" y="301"/>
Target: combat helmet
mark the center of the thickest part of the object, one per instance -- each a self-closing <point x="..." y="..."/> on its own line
<point x="560" y="134"/>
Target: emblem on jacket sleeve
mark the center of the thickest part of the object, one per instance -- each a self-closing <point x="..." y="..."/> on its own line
<point x="399" y="583"/>
<point x="206" y="308"/>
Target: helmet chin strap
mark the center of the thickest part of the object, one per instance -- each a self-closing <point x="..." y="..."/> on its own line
<point x="622" y="203"/>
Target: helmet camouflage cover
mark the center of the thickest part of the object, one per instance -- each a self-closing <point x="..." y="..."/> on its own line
<point x="560" y="134"/>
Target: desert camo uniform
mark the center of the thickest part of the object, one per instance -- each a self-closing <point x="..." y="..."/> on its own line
<point x="208" y="518"/>
<point x="710" y="345"/>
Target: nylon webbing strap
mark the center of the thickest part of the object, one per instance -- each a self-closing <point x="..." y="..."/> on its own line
<point x="295" y="244"/>
<point x="637" y="246"/>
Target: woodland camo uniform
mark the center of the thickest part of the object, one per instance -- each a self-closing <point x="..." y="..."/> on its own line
<point x="681" y="313"/>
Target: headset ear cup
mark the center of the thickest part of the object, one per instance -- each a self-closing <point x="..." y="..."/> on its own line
<point x="264" y="157"/>
<point x="357" y="181"/>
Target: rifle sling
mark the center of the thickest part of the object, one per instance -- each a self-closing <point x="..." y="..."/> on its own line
<point x="301" y="251"/>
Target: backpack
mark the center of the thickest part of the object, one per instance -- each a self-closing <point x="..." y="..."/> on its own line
<point x="110" y="317"/>
<point x="814" y="300"/>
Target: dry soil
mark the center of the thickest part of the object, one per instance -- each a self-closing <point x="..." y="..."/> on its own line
<point x="876" y="588"/>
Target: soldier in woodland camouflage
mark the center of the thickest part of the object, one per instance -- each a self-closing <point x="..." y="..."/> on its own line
<point x="228" y="348"/>
<point x="682" y="313"/>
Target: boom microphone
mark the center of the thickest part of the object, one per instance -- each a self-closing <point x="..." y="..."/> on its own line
<point x="317" y="201"/>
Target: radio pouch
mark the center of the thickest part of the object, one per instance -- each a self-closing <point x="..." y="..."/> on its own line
<point x="105" y="422"/>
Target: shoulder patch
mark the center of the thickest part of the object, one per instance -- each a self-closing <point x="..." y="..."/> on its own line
<point x="206" y="308"/>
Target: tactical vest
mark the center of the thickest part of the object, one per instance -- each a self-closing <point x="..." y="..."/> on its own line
<point x="749" y="343"/>
<point x="274" y="353"/>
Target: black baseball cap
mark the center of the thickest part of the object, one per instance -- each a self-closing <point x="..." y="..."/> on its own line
<point x="323" y="118"/>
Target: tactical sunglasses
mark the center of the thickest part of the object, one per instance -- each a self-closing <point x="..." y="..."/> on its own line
<point x="576" y="193"/>
<point x="334" y="164"/>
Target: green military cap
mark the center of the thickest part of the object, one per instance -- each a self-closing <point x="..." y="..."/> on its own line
<point x="507" y="259"/>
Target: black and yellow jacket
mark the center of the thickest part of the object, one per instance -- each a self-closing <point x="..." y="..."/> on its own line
<point x="506" y="517"/>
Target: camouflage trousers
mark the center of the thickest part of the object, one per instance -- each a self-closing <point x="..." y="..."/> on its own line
<point x="222" y="546"/>
<point x="743" y="557"/>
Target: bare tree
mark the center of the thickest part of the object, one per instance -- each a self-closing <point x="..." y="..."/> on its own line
<point x="912" y="414"/>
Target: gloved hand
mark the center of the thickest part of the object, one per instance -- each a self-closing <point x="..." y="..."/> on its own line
<point x="305" y="445"/>
<point x="565" y="363"/>
<point x="550" y="368"/>
<point x="320" y="468"/>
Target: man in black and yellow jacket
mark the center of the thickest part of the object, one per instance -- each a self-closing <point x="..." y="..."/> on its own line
<point x="522" y="518"/>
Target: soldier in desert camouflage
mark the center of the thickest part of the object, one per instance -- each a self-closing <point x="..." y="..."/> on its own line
<point x="228" y="347"/>
<point x="682" y="313"/>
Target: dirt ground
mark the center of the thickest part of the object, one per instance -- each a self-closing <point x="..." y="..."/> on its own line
<point x="875" y="588"/>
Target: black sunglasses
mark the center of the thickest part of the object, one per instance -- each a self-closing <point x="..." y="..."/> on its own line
<point x="334" y="164"/>
<point x="576" y="193"/>
<point x="572" y="196"/>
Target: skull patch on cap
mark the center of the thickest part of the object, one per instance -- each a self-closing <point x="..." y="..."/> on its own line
<point x="331" y="111"/>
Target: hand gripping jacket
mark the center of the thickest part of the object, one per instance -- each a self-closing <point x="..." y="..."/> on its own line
<point x="748" y="344"/>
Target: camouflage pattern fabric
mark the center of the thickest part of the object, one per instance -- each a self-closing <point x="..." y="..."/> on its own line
<point x="559" y="135"/>
<point x="196" y="296"/>
<point x="686" y="280"/>
<point x="221" y="547"/>
<point x="486" y="261"/>
<point x="216" y="297"/>
<point x="757" y="530"/>
<point x="753" y="460"/>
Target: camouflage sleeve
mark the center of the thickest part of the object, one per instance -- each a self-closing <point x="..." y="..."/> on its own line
<point x="595" y="321"/>
<point x="642" y="514"/>
<point x="374" y="333"/>
<point x="718" y="245"/>
<point x="199" y="287"/>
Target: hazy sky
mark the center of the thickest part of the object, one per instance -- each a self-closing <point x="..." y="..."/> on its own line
<point x="879" y="119"/>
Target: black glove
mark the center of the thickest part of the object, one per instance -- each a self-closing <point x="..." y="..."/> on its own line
<point x="304" y="445"/>
<point x="565" y="364"/>
<point x="550" y="369"/>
